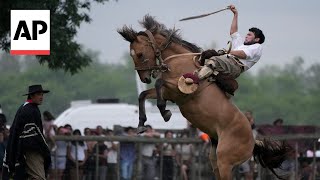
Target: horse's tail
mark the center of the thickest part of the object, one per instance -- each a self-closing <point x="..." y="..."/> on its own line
<point x="271" y="154"/>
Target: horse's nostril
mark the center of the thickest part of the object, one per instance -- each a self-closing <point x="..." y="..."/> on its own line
<point x="147" y="80"/>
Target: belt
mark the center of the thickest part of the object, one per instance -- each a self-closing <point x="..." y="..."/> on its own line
<point x="232" y="56"/>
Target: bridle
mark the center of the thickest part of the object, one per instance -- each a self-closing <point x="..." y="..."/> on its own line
<point x="160" y="65"/>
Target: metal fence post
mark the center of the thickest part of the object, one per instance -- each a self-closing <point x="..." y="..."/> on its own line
<point x="161" y="161"/>
<point x="77" y="162"/>
<point x="139" y="164"/>
<point x="97" y="161"/>
<point x="314" y="160"/>
<point x="119" y="163"/>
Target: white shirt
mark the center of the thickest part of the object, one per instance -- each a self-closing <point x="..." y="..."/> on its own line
<point x="81" y="151"/>
<point x="147" y="149"/>
<point x="112" y="154"/>
<point x="253" y="51"/>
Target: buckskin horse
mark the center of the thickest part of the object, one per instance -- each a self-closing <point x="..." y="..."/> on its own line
<point x="161" y="52"/>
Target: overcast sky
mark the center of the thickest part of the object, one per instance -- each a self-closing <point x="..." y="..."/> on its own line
<point x="291" y="27"/>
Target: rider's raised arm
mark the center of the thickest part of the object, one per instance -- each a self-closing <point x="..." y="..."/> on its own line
<point x="234" y="24"/>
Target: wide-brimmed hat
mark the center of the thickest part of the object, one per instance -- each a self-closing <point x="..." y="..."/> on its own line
<point x="35" y="89"/>
<point x="188" y="83"/>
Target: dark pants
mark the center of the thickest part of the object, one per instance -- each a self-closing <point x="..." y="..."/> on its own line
<point x="112" y="172"/>
<point x="148" y="168"/>
<point x="168" y="166"/>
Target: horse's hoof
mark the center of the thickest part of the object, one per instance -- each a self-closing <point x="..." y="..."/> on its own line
<point x="167" y="115"/>
<point x="141" y="129"/>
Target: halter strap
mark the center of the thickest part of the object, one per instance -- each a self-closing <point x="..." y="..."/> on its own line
<point x="160" y="65"/>
<point x="153" y="42"/>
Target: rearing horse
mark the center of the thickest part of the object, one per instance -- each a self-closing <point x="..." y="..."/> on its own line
<point x="161" y="52"/>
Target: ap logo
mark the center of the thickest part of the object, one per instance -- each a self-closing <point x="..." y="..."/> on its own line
<point x="30" y="32"/>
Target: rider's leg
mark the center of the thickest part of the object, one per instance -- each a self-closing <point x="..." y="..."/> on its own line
<point x="220" y="64"/>
<point x="208" y="69"/>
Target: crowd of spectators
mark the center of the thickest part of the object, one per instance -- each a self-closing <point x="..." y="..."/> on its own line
<point x="118" y="160"/>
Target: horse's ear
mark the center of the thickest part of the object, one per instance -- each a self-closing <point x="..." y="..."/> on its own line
<point x="150" y="23"/>
<point x="128" y="33"/>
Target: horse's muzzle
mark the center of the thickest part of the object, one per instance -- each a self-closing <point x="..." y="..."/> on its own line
<point x="147" y="80"/>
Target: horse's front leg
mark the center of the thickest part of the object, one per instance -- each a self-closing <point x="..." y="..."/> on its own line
<point x="147" y="94"/>
<point x="161" y="103"/>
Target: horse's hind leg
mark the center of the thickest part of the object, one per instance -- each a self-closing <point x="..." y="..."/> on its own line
<point x="213" y="158"/>
<point x="161" y="103"/>
<point x="148" y="94"/>
<point x="235" y="146"/>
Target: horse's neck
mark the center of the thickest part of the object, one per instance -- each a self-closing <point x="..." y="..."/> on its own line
<point x="181" y="64"/>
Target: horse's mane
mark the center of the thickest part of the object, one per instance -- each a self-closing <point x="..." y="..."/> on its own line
<point x="155" y="27"/>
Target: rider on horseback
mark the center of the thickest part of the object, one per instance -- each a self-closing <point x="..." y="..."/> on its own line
<point x="243" y="56"/>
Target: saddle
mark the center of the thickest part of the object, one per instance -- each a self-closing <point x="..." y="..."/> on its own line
<point x="226" y="83"/>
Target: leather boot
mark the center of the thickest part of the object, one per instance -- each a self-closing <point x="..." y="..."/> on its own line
<point x="204" y="72"/>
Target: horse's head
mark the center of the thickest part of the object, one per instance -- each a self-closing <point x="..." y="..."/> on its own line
<point x="148" y="46"/>
<point x="144" y="49"/>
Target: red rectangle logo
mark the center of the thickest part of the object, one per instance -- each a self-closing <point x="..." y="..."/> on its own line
<point x="30" y="52"/>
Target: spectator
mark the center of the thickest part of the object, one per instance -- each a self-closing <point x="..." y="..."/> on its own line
<point x="250" y="118"/>
<point x="77" y="154"/>
<point x="100" y="131"/>
<point x="112" y="173"/>
<point x="49" y="132"/>
<point x="247" y="168"/>
<point x="60" y="154"/>
<point x="48" y="126"/>
<point x="90" y="144"/>
<point x="184" y="156"/>
<point x="204" y="137"/>
<point x="91" y="161"/>
<point x="102" y="159"/>
<point x="3" y="120"/>
<point x="6" y="134"/>
<point x="278" y="122"/>
<point x="169" y="154"/>
<point x="306" y="171"/>
<point x="69" y="129"/>
<point x="127" y="155"/>
<point x="147" y="151"/>
<point x="3" y="146"/>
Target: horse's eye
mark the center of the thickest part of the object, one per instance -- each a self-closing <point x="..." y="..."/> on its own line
<point x="140" y="56"/>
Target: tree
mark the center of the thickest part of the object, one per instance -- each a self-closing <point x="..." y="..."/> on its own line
<point x="96" y="81"/>
<point x="66" y="17"/>
<point x="9" y="64"/>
